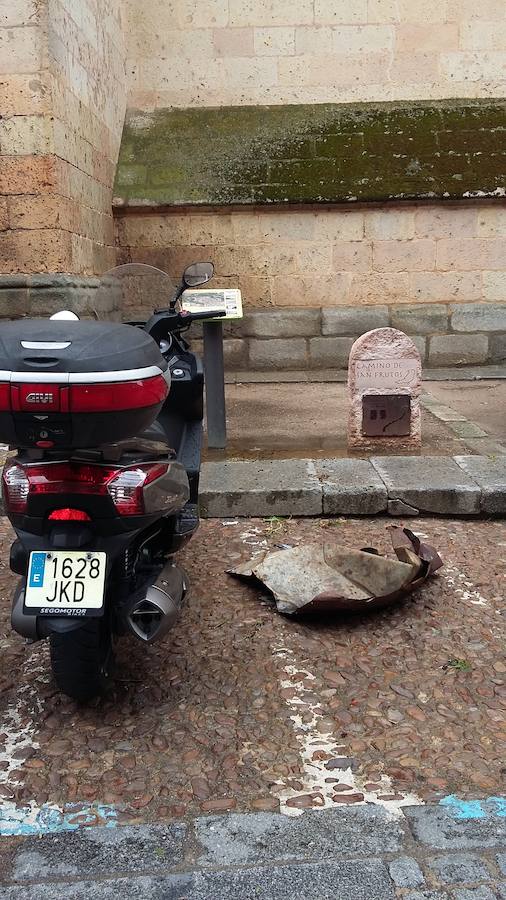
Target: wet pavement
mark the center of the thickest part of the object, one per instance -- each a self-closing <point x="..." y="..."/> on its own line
<point x="297" y="420"/>
<point x="240" y="709"/>
<point x="483" y="402"/>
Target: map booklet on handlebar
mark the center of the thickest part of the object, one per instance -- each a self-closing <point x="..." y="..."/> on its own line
<point x="227" y="300"/>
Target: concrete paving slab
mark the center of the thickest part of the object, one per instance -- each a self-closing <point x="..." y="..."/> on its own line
<point x="240" y="839"/>
<point x="351" y="487"/>
<point x="405" y="872"/>
<point x="438" y="409"/>
<point x="481" y="402"/>
<point x="431" y="484"/>
<point x="485" y="447"/>
<point x="467" y="430"/>
<point x="490" y="474"/>
<point x="260" y="488"/>
<point x="357" y="880"/>
<point x="436" y="827"/>
<point x="98" y="851"/>
<point x="459" y="867"/>
<point x="174" y="887"/>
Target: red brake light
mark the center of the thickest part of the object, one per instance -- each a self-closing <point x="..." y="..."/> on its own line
<point x="124" y="486"/>
<point x="106" y="397"/>
<point x="69" y="515"/>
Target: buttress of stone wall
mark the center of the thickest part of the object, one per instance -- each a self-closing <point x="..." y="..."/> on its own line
<point x="87" y="61"/>
<point x="27" y="163"/>
<point x="229" y="52"/>
<point x="62" y="102"/>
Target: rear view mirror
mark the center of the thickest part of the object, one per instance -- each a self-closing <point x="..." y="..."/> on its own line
<point x="198" y="273"/>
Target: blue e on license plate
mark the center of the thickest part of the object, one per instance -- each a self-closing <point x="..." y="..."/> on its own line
<point x="66" y="583"/>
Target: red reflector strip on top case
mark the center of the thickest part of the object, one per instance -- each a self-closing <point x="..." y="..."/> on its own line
<point x="5" y="397"/>
<point x="107" y="397"/>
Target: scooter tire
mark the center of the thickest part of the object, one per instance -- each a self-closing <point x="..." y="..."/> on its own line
<point x="82" y="660"/>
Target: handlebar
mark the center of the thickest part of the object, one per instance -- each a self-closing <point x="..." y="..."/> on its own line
<point x="205" y="314"/>
<point x="165" y="321"/>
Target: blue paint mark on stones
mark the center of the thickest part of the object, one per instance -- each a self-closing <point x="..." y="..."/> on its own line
<point x="49" y="819"/>
<point x="474" y="809"/>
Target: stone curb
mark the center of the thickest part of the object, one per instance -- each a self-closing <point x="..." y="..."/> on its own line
<point x="430" y="485"/>
<point x="393" y="485"/>
<point x="351" y="853"/>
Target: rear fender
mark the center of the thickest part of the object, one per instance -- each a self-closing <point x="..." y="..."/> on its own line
<point x="36" y="627"/>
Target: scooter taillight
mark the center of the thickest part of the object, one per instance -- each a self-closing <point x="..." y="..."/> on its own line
<point x="124" y="486"/>
<point x="68" y="515"/>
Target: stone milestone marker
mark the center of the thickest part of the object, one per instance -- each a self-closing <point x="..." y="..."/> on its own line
<point x="384" y="383"/>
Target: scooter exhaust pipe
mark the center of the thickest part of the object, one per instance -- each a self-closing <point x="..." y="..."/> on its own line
<point x="151" y="617"/>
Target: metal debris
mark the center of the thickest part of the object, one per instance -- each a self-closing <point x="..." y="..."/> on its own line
<point x="316" y="578"/>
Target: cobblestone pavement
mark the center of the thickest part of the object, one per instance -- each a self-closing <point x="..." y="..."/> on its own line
<point x="241" y="709"/>
<point x="241" y="714"/>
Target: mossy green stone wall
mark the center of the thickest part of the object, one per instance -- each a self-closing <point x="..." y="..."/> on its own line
<point x="324" y="153"/>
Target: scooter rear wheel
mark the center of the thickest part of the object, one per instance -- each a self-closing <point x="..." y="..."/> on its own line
<point x="82" y="660"/>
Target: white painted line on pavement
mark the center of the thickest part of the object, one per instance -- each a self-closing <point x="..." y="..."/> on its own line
<point x="318" y="746"/>
<point x="460" y="585"/>
<point x="20" y="720"/>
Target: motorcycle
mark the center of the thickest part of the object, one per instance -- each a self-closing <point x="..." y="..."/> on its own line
<point x="106" y="419"/>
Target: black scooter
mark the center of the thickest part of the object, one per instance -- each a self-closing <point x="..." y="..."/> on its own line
<point x="103" y="491"/>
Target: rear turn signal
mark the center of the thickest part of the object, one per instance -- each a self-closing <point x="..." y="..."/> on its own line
<point x="124" y="486"/>
<point x="15" y="487"/>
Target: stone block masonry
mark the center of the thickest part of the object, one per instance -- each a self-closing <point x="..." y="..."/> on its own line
<point x="236" y="52"/>
<point x="45" y="294"/>
<point x="63" y="100"/>
<point x="425" y="259"/>
<point x="315" y="153"/>
<point x="297" y="339"/>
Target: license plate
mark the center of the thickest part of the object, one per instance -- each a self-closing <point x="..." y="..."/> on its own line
<point x="66" y="583"/>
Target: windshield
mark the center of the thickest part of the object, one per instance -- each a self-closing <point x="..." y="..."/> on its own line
<point x="134" y="291"/>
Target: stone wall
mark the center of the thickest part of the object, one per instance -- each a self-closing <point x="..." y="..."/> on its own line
<point x="334" y="152"/>
<point x="63" y="100"/>
<point x="87" y="63"/>
<point x="410" y="254"/>
<point x="220" y="52"/>
<point x="446" y="335"/>
<point x="28" y="167"/>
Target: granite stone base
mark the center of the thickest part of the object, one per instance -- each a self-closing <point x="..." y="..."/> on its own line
<point x="446" y="335"/>
<point x="296" y="339"/>
<point x="42" y="295"/>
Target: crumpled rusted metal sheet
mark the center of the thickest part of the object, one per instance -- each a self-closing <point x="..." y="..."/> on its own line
<point x="315" y="578"/>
